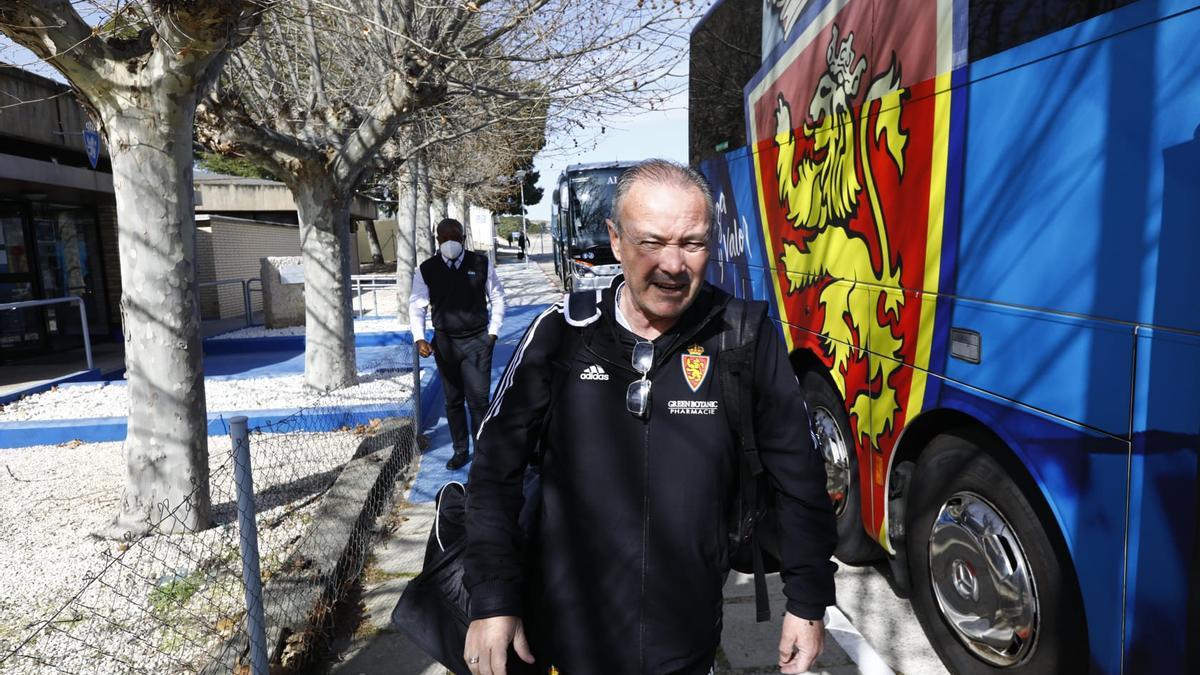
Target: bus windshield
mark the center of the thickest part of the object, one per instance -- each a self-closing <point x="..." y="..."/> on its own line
<point x="591" y="198"/>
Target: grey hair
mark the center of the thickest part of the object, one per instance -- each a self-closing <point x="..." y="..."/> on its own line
<point x="666" y="173"/>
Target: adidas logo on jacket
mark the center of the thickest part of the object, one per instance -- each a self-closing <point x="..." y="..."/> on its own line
<point x="594" y="372"/>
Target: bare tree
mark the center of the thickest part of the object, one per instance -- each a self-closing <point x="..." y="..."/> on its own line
<point x="321" y="94"/>
<point x="138" y="68"/>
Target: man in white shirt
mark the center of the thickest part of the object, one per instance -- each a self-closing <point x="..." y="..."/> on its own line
<point x="468" y="308"/>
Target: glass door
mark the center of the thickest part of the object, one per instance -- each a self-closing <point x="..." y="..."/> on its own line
<point x="22" y="331"/>
<point x="68" y="261"/>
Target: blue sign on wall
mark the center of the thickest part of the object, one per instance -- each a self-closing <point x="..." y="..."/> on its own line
<point x="91" y="143"/>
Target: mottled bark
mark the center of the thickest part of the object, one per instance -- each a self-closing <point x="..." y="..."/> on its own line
<point x="424" y="232"/>
<point x="329" y="358"/>
<point x="441" y="207"/>
<point x="166" y="445"/>
<point x="406" y="254"/>
<point x="373" y="242"/>
<point x="464" y="215"/>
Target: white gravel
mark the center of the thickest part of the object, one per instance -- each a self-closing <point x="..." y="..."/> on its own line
<point x="156" y="605"/>
<point x="384" y="387"/>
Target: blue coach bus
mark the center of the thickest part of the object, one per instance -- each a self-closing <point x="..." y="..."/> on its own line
<point x="580" y="206"/>
<point x="977" y="225"/>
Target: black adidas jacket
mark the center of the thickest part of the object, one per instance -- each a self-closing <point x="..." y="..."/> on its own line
<point x="632" y="538"/>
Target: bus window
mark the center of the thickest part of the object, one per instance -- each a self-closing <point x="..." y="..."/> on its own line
<point x="590" y="207"/>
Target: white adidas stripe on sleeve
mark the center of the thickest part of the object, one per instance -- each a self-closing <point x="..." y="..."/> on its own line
<point x="510" y="372"/>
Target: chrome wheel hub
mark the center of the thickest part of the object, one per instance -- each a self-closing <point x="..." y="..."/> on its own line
<point x="837" y="458"/>
<point x="982" y="581"/>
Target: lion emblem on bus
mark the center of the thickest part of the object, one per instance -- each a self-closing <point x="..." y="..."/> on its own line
<point x="821" y="192"/>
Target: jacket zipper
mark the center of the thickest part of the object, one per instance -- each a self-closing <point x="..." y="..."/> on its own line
<point x="645" y="543"/>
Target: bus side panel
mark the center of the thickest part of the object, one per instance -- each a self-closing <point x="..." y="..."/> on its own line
<point x="737" y="260"/>
<point x="1163" y="581"/>
<point x="1074" y="368"/>
<point x="1067" y="145"/>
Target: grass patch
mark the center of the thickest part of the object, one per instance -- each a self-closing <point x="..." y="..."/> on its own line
<point x="374" y="575"/>
<point x="366" y="630"/>
<point x="174" y="593"/>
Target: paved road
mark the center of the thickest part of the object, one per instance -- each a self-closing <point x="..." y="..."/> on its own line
<point x="871" y="630"/>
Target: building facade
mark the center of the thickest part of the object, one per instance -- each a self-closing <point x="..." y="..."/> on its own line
<point x="57" y="221"/>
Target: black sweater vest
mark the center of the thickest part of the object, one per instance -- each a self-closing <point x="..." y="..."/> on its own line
<point x="458" y="296"/>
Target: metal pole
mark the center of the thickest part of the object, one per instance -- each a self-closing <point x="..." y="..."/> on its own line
<point x="243" y="478"/>
<point x="524" y="228"/>
<point x="416" y="269"/>
<point x="87" y="335"/>
<point x="492" y="245"/>
<point x="246" y="299"/>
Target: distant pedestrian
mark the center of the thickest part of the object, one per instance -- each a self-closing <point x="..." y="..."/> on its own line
<point x="468" y="309"/>
<point x="521" y="241"/>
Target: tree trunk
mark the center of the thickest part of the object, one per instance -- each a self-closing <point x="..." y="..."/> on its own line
<point x="373" y="242"/>
<point x="329" y="360"/>
<point x="405" y="252"/>
<point x="166" y="446"/>
<point x="425" y="234"/>
<point x="441" y="208"/>
<point x="464" y="215"/>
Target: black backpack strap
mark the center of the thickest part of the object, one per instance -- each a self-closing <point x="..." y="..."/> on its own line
<point x="738" y="343"/>
<point x="582" y="308"/>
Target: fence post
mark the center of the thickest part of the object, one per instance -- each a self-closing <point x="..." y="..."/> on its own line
<point x="246" y="300"/>
<point x="87" y="336"/>
<point x="248" y="542"/>
<point x="416" y="389"/>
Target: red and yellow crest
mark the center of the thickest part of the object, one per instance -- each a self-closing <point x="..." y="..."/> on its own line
<point x="695" y="366"/>
<point x="851" y="128"/>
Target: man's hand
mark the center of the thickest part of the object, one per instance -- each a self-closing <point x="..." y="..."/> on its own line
<point x="487" y="644"/>
<point x="424" y="348"/>
<point x="800" y="643"/>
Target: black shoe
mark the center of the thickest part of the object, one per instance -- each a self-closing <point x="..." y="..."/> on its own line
<point x="458" y="461"/>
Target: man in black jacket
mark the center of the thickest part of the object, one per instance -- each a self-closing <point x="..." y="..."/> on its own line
<point x="639" y="467"/>
<point x="468" y="308"/>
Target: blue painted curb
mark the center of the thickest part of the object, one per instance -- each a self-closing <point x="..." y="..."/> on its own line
<point x="284" y="343"/>
<point x="91" y="375"/>
<point x="103" y="429"/>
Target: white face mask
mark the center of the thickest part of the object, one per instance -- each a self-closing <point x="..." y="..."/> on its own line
<point x="451" y="249"/>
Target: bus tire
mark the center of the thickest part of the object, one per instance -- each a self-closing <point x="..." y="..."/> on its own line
<point x="1014" y="590"/>
<point x="832" y="429"/>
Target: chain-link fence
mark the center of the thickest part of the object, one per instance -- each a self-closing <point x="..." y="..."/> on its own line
<point x="171" y="602"/>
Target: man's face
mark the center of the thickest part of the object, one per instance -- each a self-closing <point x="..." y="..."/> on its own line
<point x="662" y="247"/>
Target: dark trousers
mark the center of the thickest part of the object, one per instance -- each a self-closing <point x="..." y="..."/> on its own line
<point x="465" y="364"/>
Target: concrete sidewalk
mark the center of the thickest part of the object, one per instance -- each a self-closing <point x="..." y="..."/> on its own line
<point x="747" y="647"/>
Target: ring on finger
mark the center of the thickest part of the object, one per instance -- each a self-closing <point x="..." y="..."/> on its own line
<point x="473" y="660"/>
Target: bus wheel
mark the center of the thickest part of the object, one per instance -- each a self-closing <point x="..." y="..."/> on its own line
<point x="987" y="584"/>
<point x="832" y="429"/>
